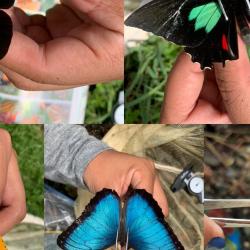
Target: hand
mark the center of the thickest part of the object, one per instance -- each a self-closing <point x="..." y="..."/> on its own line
<point x="117" y="171"/>
<point x="213" y="231"/>
<point x="219" y="96"/>
<point x="77" y="43"/>
<point x="12" y="200"/>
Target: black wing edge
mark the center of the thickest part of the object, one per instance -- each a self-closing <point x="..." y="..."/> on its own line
<point x="6" y="4"/>
<point x="153" y="203"/>
<point x="6" y="33"/>
<point x="86" y="213"/>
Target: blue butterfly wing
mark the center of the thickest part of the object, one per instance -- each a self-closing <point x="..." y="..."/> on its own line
<point x="146" y="226"/>
<point x="97" y="227"/>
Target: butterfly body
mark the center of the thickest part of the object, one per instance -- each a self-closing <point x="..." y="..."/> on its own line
<point x="206" y="28"/>
<point x="136" y="223"/>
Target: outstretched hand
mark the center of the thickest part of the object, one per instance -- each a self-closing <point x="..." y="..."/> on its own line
<point x="76" y="43"/>
<point x="219" y="96"/>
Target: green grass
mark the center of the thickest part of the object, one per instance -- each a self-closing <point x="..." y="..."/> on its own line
<point x="27" y="140"/>
<point x="148" y="65"/>
<point x="101" y="102"/>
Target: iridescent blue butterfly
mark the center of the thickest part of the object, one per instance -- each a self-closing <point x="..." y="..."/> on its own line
<point x="5" y="27"/>
<point x="137" y="223"/>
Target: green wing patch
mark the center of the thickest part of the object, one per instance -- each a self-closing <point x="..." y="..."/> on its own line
<point x="206" y="16"/>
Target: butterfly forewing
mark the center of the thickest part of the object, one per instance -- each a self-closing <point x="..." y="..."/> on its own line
<point x="97" y="227"/>
<point x="146" y="226"/>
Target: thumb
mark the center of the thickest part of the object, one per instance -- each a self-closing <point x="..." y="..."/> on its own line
<point x="234" y="84"/>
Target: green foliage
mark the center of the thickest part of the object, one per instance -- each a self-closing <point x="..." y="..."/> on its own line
<point x="27" y="140"/>
<point x="101" y="102"/>
<point x="147" y="67"/>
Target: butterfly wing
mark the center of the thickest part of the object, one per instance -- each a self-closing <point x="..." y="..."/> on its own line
<point x="5" y="4"/>
<point x="185" y="23"/>
<point x="146" y="226"/>
<point x="220" y="45"/>
<point x="203" y="26"/>
<point x="97" y="227"/>
<point x="5" y="33"/>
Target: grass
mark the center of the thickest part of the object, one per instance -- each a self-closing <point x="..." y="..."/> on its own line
<point x="101" y="102"/>
<point x="148" y="65"/>
<point x="28" y="142"/>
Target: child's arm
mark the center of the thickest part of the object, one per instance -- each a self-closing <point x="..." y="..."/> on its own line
<point x="5" y="152"/>
<point x="12" y="203"/>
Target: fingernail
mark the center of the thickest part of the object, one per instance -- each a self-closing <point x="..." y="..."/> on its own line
<point x="216" y="244"/>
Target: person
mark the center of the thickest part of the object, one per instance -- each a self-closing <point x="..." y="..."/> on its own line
<point x="218" y="96"/>
<point x="74" y="157"/>
<point x="12" y="194"/>
<point x="76" y="43"/>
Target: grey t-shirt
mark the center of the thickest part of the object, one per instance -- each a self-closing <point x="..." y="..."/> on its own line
<point x="68" y="151"/>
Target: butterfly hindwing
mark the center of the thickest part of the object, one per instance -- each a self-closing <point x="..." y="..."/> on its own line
<point x="146" y="226"/>
<point x="97" y="227"/>
<point x="5" y="33"/>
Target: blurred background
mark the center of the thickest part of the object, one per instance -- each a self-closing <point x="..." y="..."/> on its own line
<point x="98" y="104"/>
<point x="148" y="62"/>
<point x="227" y="175"/>
<point x="27" y="140"/>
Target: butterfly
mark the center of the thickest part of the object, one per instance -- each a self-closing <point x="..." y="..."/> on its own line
<point x="206" y="28"/>
<point x="2" y="245"/>
<point x="137" y="222"/>
<point x="6" y="27"/>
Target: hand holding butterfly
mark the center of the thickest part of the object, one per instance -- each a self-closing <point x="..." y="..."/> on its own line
<point x="218" y="96"/>
<point x="117" y="171"/>
<point x="77" y="43"/>
<point x="12" y="194"/>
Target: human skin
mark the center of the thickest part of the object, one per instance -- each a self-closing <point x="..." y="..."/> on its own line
<point x="12" y="195"/>
<point x="124" y="171"/>
<point x="77" y="43"/>
<point x="211" y="230"/>
<point x="220" y="96"/>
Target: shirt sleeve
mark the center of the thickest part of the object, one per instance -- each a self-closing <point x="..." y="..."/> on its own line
<point x="68" y="151"/>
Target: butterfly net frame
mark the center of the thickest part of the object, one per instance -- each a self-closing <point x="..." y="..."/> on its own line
<point x="171" y="148"/>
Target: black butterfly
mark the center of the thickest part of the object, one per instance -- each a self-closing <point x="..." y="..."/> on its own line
<point x="6" y="27"/>
<point x="207" y="28"/>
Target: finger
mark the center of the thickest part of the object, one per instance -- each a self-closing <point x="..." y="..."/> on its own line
<point x="211" y="230"/>
<point x="210" y="91"/>
<point x="26" y="84"/>
<point x="183" y="89"/>
<point x="206" y="113"/>
<point x="107" y="13"/>
<point x="234" y="84"/>
<point x="83" y="55"/>
<point x="160" y="196"/>
<point x="143" y="177"/>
